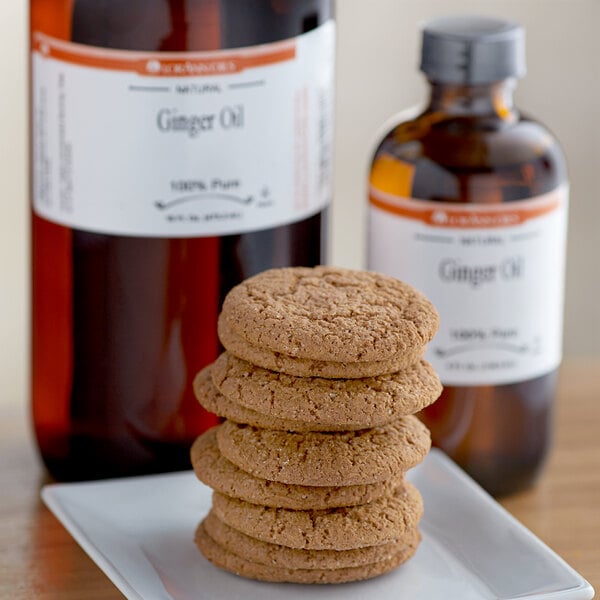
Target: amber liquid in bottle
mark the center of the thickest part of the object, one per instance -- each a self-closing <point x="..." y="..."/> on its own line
<point x="470" y="145"/>
<point x="120" y="325"/>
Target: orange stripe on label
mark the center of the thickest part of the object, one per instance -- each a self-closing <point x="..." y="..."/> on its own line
<point x="165" y="64"/>
<point x="476" y="216"/>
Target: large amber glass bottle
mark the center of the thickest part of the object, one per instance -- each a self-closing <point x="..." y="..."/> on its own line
<point x="179" y="146"/>
<point x="468" y="203"/>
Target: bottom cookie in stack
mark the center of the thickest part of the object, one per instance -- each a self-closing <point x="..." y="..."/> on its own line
<point x="234" y="551"/>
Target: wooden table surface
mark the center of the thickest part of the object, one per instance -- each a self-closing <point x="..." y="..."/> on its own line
<point x="39" y="559"/>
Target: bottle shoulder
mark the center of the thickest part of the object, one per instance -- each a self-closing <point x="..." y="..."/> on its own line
<point x="455" y="157"/>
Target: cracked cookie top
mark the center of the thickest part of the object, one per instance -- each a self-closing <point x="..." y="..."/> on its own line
<point x="330" y="314"/>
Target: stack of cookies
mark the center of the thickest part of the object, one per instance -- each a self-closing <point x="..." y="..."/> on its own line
<point x="321" y="377"/>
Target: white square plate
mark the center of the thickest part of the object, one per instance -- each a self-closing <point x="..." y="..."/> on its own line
<point x="140" y="533"/>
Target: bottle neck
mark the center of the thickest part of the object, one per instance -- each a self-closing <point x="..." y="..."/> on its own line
<point x="493" y="99"/>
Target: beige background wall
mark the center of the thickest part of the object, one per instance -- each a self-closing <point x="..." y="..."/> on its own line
<point x="378" y="48"/>
<point x="13" y="201"/>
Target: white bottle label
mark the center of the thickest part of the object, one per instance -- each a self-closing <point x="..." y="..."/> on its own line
<point x="182" y="144"/>
<point x="494" y="272"/>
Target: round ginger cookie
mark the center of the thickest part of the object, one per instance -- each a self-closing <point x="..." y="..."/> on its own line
<point x="344" y="404"/>
<point x="212" y="400"/>
<point x="302" y="367"/>
<point x="233" y="563"/>
<point x="331" y="459"/>
<point x="216" y="471"/>
<point x="292" y="558"/>
<point x="331" y="314"/>
<point x="379" y="522"/>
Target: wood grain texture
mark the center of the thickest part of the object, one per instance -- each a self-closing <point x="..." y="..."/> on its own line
<point x="40" y="560"/>
<point x="563" y="509"/>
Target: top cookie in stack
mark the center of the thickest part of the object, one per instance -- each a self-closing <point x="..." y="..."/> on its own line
<point x="327" y="322"/>
<point x="322" y="371"/>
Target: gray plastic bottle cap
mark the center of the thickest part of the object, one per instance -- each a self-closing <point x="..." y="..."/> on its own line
<point x="472" y="50"/>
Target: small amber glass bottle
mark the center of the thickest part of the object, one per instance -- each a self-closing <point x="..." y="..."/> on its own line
<point x="468" y="203"/>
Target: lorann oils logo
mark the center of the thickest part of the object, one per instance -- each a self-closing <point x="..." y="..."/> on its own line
<point x="443" y="218"/>
<point x="191" y="67"/>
